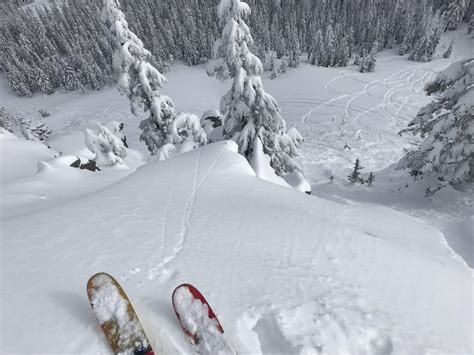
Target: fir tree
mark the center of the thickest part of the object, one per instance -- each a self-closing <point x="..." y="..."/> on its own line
<point x="355" y="175"/>
<point x="316" y="49"/>
<point x="368" y="62"/>
<point x="164" y="132"/>
<point x="447" y="124"/>
<point x="453" y="13"/>
<point x="370" y="180"/>
<point x="252" y="116"/>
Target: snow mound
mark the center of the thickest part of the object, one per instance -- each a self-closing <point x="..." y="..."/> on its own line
<point x="19" y="157"/>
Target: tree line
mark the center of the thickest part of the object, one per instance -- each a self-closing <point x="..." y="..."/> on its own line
<point x="64" y="45"/>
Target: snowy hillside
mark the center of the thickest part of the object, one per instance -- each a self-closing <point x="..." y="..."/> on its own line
<point x="311" y="273"/>
<point x="379" y="266"/>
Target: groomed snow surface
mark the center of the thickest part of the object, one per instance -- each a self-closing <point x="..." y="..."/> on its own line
<point x="349" y="270"/>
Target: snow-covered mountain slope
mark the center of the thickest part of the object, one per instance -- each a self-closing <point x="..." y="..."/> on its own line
<point x="285" y="272"/>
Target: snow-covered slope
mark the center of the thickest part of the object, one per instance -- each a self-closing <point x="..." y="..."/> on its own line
<point x="285" y="272"/>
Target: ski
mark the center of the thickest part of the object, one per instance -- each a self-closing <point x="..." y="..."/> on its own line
<point x="116" y="316"/>
<point x="199" y="321"/>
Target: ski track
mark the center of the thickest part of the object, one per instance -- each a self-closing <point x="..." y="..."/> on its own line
<point x="163" y="272"/>
<point x="398" y="96"/>
<point x="161" y="267"/>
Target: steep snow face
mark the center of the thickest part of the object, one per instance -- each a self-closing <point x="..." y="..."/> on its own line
<point x="284" y="272"/>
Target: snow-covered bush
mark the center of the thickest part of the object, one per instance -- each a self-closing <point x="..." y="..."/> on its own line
<point x="250" y="114"/>
<point x="447" y="124"/>
<point x="108" y="148"/>
<point x="164" y="130"/>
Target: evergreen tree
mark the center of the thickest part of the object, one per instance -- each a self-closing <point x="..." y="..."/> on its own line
<point x="425" y="47"/>
<point x="316" y="49"/>
<point x="164" y="132"/>
<point x="355" y="175"/>
<point x="329" y="55"/>
<point x="70" y="33"/>
<point x="453" y="12"/>
<point x="367" y="63"/>
<point x="447" y="124"/>
<point x="283" y="65"/>
<point x="41" y="132"/>
<point x="252" y="116"/>
<point x="370" y="180"/>
<point x="5" y="122"/>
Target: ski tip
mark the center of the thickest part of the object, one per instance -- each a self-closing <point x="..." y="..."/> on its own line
<point x="91" y="283"/>
<point x="196" y="294"/>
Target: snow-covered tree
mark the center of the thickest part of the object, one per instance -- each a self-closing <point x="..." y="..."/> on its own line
<point x="108" y="148"/>
<point x="315" y="52"/>
<point x="425" y="47"/>
<point x="355" y="175"/>
<point x="5" y="121"/>
<point x="329" y="55"/>
<point x="370" y="179"/>
<point x="41" y="132"/>
<point x="164" y="131"/>
<point x="447" y="124"/>
<point x="283" y="65"/>
<point x="453" y="13"/>
<point x="251" y="116"/>
<point x="367" y="63"/>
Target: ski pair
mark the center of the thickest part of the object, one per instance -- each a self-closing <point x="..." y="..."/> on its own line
<point x="124" y="332"/>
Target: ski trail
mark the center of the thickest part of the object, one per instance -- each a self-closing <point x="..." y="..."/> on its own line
<point x="160" y="269"/>
<point x="163" y="271"/>
<point x="342" y="74"/>
<point x="310" y="112"/>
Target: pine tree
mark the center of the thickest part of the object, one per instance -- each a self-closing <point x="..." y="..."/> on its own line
<point x="41" y="132"/>
<point x="252" y="116"/>
<point x="329" y="55"/>
<point x="355" y="175"/>
<point x="425" y="47"/>
<point x="5" y="121"/>
<point x="368" y="62"/>
<point x="164" y="132"/>
<point x="447" y="124"/>
<point x="316" y="49"/>
<point x="370" y="180"/>
<point x="283" y="65"/>
<point x="453" y="13"/>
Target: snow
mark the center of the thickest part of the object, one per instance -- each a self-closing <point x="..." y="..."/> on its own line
<point x="352" y="269"/>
